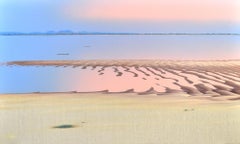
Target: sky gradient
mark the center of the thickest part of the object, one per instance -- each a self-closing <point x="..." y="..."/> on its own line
<point x="120" y="15"/>
<point x="156" y="10"/>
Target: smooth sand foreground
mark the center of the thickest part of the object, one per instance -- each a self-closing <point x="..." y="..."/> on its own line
<point x="117" y="119"/>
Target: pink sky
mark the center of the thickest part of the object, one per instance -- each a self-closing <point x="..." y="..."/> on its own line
<point x="156" y="10"/>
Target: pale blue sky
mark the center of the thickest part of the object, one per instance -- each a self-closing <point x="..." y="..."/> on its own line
<point x="45" y="15"/>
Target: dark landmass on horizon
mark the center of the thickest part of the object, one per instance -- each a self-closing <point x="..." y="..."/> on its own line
<point x="67" y="32"/>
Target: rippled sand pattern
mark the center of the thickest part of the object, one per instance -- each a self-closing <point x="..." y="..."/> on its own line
<point x="213" y="78"/>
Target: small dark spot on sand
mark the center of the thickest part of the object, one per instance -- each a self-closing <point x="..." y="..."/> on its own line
<point x="64" y="126"/>
<point x="189" y="109"/>
<point x="83" y="122"/>
<point x="144" y="78"/>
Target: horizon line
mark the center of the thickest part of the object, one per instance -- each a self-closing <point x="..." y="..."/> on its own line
<point x="116" y="33"/>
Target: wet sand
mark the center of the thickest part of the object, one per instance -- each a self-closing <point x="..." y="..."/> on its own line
<point x="138" y="63"/>
<point x="120" y="118"/>
<point x="209" y="78"/>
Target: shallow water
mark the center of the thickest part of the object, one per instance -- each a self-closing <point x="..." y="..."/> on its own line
<point x="20" y="79"/>
<point x="118" y="47"/>
<point x="142" y="80"/>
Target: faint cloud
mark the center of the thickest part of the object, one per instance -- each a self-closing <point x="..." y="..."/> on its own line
<point x="152" y="10"/>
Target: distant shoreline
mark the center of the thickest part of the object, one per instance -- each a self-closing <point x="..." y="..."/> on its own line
<point x="103" y="33"/>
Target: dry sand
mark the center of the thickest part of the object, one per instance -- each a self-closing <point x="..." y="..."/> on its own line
<point x="94" y="118"/>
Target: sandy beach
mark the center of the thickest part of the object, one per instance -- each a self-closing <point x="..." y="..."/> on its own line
<point x="95" y="118"/>
<point x="119" y="72"/>
<point x="181" y="102"/>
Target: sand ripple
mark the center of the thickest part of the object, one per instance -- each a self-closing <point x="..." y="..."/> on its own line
<point x="211" y="78"/>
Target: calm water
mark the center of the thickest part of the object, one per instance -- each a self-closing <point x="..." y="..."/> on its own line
<point x="118" y="47"/>
<point x="16" y="79"/>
